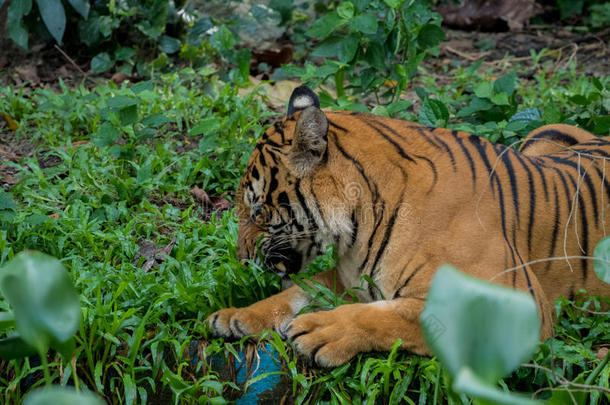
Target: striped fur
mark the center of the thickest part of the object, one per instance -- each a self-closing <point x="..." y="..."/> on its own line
<point x="398" y="199"/>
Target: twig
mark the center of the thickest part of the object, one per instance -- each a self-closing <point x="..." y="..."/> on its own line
<point x="65" y="55"/>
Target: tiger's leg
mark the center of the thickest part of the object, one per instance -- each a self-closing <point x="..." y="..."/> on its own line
<point x="272" y="313"/>
<point x="553" y="138"/>
<point x="331" y="338"/>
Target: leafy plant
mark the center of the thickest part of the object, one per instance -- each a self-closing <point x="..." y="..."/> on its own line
<point x="375" y="46"/>
<point x="51" y="11"/>
<point x="46" y="313"/>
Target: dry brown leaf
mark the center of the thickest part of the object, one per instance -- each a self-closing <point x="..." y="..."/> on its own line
<point x="602" y="352"/>
<point x="489" y="13"/>
<point x="28" y="73"/>
<point x="201" y="195"/>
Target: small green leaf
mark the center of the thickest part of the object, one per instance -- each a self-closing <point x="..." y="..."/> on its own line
<point x="346" y="10"/>
<point x="45" y="304"/>
<point x="364" y="23"/>
<point x="54" y="17"/>
<point x="395" y="4"/>
<point x="527" y="115"/>
<point x="483" y="90"/>
<point x="601" y="265"/>
<point x="223" y="39"/>
<point x="101" y="62"/>
<point x="579" y="99"/>
<point x="500" y="99"/>
<point x="106" y="135"/>
<point x="16" y="29"/>
<point x="505" y="84"/>
<point x="433" y="113"/>
<point x="124" y="53"/>
<point x="168" y="44"/>
<point x="155" y="120"/>
<point x="15" y="348"/>
<point x="342" y="47"/>
<point x="6" y="201"/>
<point x="61" y="395"/>
<point x="468" y="383"/>
<point x="206" y="126"/>
<point x="430" y="36"/>
<point x="324" y="26"/>
<point x="81" y="7"/>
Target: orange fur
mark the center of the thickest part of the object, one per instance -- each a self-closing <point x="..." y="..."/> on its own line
<point x="398" y="200"/>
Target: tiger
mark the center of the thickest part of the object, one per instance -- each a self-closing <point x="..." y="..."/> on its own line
<point x="397" y="200"/>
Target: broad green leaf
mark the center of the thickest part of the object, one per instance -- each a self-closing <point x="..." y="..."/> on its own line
<point x="505" y="84"/>
<point x="346" y="10"/>
<point x="223" y="39"/>
<point x="61" y="395"/>
<point x="568" y="395"/>
<point x="16" y="29"/>
<point x="54" y="17"/>
<point x="485" y="327"/>
<point x="365" y="23"/>
<point x="468" y="383"/>
<point x="433" y="113"/>
<point x="342" y="47"/>
<point x="101" y="62"/>
<point x="169" y="45"/>
<point x="483" y="90"/>
<point x="106" y="135"/>
<point x="45" y="304"/>
<point x="394" y="3"/>
<point x="324" y="26"/>
<point x="430" y="36"/>
<point x="124" y="53"/>
<point x="477" y="104"/>
<point x="7" y="320"/>
<point x="155" y="120"/>
<point x="527" y="115"/>
<point x="500" y="99"/>
<point x="601" y="264"/>
<point x="6" y="201"/>
<point x="206" y="126"/>
<point x="15" y="348"/>
<point x="81" y="7"/>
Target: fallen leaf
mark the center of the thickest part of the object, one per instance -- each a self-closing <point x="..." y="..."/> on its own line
<point x="201" y="195"/>
<point x="28" y="73"/>
<point x="54" y="216"/>
<point x="10" y="122"/>
<point x="489" y="13"/>
<point x="602" y="352"/>
<point x="119" y="77"/>
<point x="153" y="255"/>
<point x="220" y="204"/>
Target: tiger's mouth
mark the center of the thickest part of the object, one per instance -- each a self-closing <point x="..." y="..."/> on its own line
<point x="282" y="261"/>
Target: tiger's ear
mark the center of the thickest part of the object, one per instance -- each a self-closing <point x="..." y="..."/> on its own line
<point x="309" y="142"/>
<point x="301" y="98"/>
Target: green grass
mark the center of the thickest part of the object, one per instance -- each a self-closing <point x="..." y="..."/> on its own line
<point x="151" y="144"/>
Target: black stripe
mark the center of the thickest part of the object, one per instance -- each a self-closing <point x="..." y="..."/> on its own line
<point x="399" y="291"/>
<point x="482" y="151"/>
<point x="398" y="148"/>
<point x="468" y="156"/>
<point x="550" y="134"/>
<point x="385" y="240"/>
<point x="372" y="188"/>
<point x="447" y="149"/>
<point x="513" y="183"/>
<point x="556" y="226"/>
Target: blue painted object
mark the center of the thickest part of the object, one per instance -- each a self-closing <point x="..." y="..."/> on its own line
<point x="270" y="389"/>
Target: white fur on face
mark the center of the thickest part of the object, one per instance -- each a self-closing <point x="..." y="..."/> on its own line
<point x="302" y="102"/>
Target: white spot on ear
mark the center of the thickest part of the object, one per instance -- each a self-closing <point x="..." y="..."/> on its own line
<point x="302" y="102"/>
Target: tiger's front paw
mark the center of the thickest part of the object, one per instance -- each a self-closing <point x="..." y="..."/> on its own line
<point x="327" y="338"/>
<point x="235" y="323"/>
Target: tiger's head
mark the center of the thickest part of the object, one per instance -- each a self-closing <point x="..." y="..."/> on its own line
<point x="272" y="205"/>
